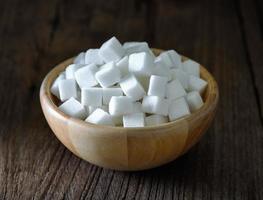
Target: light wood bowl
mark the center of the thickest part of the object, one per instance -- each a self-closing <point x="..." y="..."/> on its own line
<point x="128" y="148"/>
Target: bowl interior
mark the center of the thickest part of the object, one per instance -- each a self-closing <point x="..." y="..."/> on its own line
<point x="210" y="95"/>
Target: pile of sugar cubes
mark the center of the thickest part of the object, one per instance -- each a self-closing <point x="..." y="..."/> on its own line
<point x="127" y="85"/>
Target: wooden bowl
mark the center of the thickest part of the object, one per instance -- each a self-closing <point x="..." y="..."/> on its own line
<point x="128" y="148"/>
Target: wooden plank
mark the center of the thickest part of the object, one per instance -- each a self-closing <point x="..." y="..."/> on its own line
<point x="229" y="66"/>
<point x="216" y="42"/>
<point x="251" y="23"/>
<point x="22" y="142"/>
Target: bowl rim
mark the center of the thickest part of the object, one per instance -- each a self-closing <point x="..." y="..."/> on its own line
<point x="211" y="99"/>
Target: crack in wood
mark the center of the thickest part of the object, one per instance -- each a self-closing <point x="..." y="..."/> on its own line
<point x="55" y="22"/>
<point x="259" y="12"/>
<point x="71" y="180"/>
<point x="248" y="59"/>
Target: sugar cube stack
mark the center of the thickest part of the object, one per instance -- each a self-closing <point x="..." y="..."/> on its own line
<point x="127" y="85"/>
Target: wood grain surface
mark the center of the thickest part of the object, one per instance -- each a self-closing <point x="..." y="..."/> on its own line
<point x="226" y="36"/>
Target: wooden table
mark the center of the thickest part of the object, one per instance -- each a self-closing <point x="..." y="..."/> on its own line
<point x="225" y="36"/>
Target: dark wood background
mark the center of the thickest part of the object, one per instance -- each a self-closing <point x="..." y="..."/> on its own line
<point x="225" y="36"/>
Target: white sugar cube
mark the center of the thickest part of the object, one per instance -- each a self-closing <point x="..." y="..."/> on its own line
<point x="176" y="58"/>
<point x="130" y="44"/>
<point x="137" y="107"/>
<point x="92" y="57"/>
<point x="194" y="100"/>
<point x="171" y="59"/>
<point x="122" y="65"/>
<point x="157" y="86"/>
<point x="71" y="69"/>
<point x="54" y="88"/>
<point x="134" y="120"/>
<point x="197" y="84"/>
<point x="101" y="117"/>
<point x="135" y="47"/>
<point x="164" y="57"/>
<point x="191" y="67"/>
<point x="73" y="108"/>
<point x="67" y="89"/>
<point x="91" y="96"/>
<point x="182" y="76"/>
<point x="121" y="105"/>
<point x="175" y="90"/>
<point x="178" y="108"/>
<point x="155" y="105"/>
<point x="160" y="69"/>
<point x="155" y="120"/>
<point x="141" y="64"/>
<point x="110" y="92"/>
<point x="132" y="87"/>
<point x="162" y="60"/>
<point x="80" y="59"/>
<point x="91" y="109"/>
<point x="111" y="50"/>
<point x="108" y="75"/>
<point x="85" y="76"/>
